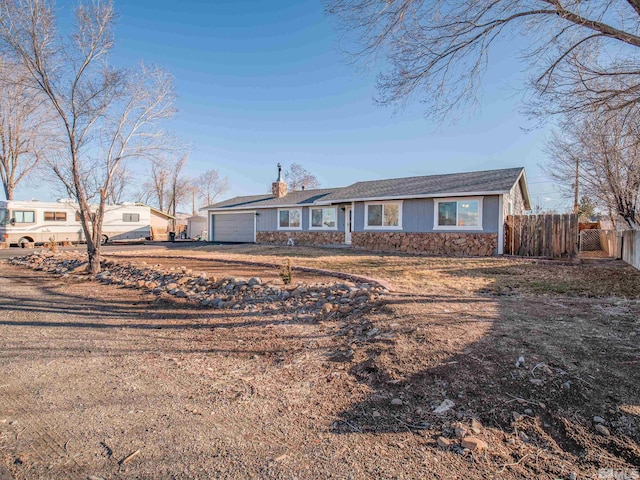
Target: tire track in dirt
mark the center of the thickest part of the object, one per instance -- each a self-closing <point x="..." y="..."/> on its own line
<point x="34" y="438"/>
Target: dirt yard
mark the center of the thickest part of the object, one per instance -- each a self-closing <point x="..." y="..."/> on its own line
<point x="98" y="381"/>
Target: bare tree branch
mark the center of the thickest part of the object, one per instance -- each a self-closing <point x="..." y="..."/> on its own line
<point x="438" y="50"/>
<point x="108" y="116"/>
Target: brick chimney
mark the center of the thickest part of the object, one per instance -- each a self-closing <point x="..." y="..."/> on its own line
<point x="279" y="187"/>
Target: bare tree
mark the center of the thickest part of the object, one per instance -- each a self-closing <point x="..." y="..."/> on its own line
<point x="209" y="185"/>
<point x="120" y="182"/>
<point x="439" y="50"/>
<point x="24" y="126"/>
<point x="168" y="187"/>
<point x="298" y="177"/>
<point x="179" y="187"/>
<point x="606" y="150"/>
<point x="108" y="116"/>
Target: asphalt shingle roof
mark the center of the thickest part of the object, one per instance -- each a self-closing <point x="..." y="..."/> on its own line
<point x="468" y="182"/>
<point x="301" y="197"/>
<point x="431" y="185"/>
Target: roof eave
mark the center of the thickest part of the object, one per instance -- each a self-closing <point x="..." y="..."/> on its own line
<point x="403" y="197"/>
<point x="524" y="187"/>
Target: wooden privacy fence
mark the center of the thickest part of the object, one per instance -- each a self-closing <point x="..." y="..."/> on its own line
<point x="552" y="236"/>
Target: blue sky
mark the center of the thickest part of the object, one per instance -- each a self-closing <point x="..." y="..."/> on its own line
<point x="265" y="82"/>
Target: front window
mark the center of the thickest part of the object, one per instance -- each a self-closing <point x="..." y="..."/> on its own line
<point x="290" y="219"/>
<point x="4" y="216"/>
<point x="23" y="216"/>
<point x="386" y="215"/>
<point x="55" y="216"/>
<point x="323" y="218"/>
<point x="130" y="217"/>
<point x="458" y="214"/>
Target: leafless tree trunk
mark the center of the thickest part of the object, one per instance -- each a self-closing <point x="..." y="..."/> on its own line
<point x="25" y="126"/>
<point x="209" y="185"/>
<point x="298" y="177"/>
<point x="439" y="50"/>
<point x="108" y="116"/>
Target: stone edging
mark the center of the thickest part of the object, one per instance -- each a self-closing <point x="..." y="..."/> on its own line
<point x="319" y="271"/>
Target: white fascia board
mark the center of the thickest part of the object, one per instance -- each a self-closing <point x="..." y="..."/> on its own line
<point x="525" y="189"/>
<point x="405" y="197"/>
<point x="237" y="212"/>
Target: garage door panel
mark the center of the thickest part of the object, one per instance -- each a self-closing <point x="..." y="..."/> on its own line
<point x="237" y="227"/>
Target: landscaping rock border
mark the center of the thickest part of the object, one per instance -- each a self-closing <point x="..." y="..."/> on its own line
<point x="340" y="298"/>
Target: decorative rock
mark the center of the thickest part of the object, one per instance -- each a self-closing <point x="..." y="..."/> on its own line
<point x="444" y="442"/>
<point x="396" y="402"/>
<point x="602" y="430"/>
<point x="181" y="294"/>
<point x="460" y="431"/>
<point x="344" y="309"/>
<point x="327" y="307"/>
<point x="255" y="281"/>
<point x="598" y="419"/>
<point x="476" y="426"/>
<point x="528" y="411"/>
<point x="444" y="407"/>
<point x="474" y="444"/>
<point x="536" y="381"/>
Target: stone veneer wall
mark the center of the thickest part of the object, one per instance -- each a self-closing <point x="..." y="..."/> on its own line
<point x="301" y="238"/>
<point x="434" y="243"/>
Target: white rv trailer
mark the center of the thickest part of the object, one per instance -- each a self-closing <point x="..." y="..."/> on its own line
<point x="22" y="222"/>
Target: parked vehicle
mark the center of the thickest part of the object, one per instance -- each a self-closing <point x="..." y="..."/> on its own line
<point x="24" y="222"/>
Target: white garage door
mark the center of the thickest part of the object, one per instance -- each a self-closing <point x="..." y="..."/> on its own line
<point x="236" y="227"/>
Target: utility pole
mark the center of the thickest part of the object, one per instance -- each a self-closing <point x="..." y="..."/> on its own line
<point x="575" y="188"/>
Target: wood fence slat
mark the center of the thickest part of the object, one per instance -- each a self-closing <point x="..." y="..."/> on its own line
<point x="550" y="235"/>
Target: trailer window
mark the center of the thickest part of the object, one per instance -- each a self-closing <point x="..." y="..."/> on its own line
<point x="130" y="217"/>
<point x="55" y="216"/>
<point x="4" y="216"/>
<point x="24" y="216"/>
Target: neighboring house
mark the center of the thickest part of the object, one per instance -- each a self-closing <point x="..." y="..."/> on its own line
<point x="453" y="214"/>
<point x="197" y="227"/>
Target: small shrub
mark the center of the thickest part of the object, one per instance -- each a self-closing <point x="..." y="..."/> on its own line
<point x="52" y="245"/>
<point x="285" y="272"/>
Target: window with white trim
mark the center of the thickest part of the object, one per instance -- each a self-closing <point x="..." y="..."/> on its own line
<point x="23" y="216"/>
<point x="130" y="217"/>
<point x="290" y="219"/>
<point x="383" y="215"/>
<point x="323" y="219"/>
<point x="458" y="214"/>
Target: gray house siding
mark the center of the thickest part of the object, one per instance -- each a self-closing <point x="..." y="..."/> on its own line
<point x="417" y="216"/>
<point x="267" y="220"/>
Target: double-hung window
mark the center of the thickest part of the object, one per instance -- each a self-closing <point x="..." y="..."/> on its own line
<point x="383" y="215"/>
<point x="130" y="217"/>
<point x="290" y="219"/>
<point x="458" y="214"/>
<point x="323" y="219"/>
